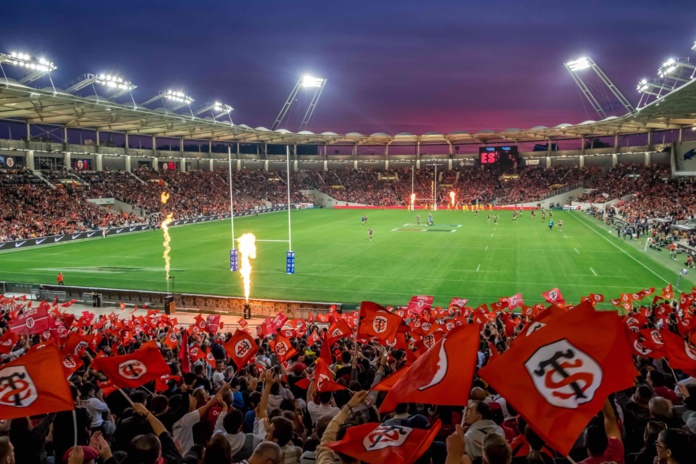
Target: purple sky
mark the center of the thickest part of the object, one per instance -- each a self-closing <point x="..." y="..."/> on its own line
<point x="392" y="66"/>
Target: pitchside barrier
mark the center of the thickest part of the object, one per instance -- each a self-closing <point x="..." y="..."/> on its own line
<point x="186" y="302"/>
<point x="126" y="229"/>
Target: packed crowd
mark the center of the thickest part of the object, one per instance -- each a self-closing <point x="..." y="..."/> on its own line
<point x="353" y="388"/>
<point x="37" y="208"/>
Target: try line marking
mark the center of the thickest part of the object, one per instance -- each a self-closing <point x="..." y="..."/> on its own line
<point x="620" y="249"/>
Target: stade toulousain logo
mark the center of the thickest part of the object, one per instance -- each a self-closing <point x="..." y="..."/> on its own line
<point x="380" y="324"/>
<point x="132" y="369"/>
<point x="17" y="389"/>
<point x="564" y="376"/>
<point x="241" y="348"/>
<point x="281" y="348"/>
<point x="386" y="436"/>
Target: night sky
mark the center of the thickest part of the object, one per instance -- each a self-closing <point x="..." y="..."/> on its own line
<point x="392" y="66"/>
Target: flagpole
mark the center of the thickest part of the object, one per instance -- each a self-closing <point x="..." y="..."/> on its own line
<point x="670" y="368"/>
<point x="130" y="401"/>
<point x="74" y="424"/>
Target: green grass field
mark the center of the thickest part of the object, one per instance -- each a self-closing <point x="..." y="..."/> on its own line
<point x="462" y="255"/>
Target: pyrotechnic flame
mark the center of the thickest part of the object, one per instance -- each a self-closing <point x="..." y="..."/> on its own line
<point x="165" y="230"/>
<point x="247" y="248"/>
<point x="167" y="248"/>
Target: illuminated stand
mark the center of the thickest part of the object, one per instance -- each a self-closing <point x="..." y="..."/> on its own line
<point x="576" y="66"/>
<point x="305" y="81"/>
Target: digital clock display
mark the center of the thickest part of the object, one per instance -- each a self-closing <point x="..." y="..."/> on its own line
<point x="503" y="155"/>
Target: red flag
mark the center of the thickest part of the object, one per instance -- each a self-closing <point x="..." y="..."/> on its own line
<point x="241" y="348"/>
<point x="375" y="443"/>
<point x="31" y="321"/>
<point x="325" y="378"/>
<point x="558" y="378"/>
<point x="279" y="321"/>
<point x="679" y="351"/>
<point x="77" y="344"/>
<point x="457" y="303"/>
<point x="554" y="296"/>
<point x="514" y="301"/>
<point x="242" y="322"/>
<point x="213" y="323"/>
<point x="668" y="292"/>
<point x="338" y="330"/>
<point x="282" y="347"/>
<point x="419" y="303"/>
<point x="196" y="353"/>
<point x="376" y="321"/>
<point x="34" y="384"/>
<point x="135" y="369"/>
<point x="441" y="373"/>
<point x="388" y="383"/>
<point x="171" y="340"/>
<point x="161" y="384"/>
<point x="7" y="341"/>
<point x="184" y="358"/>
<point x="71" y="364"/>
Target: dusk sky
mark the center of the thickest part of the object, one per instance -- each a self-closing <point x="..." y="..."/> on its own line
<point x="392" y="66"/>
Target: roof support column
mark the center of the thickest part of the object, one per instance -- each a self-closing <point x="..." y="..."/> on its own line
<point x="386" y="156"/>
<point x="100" y="162"/>
<point x="154" y="146"/>
<point x="125" y="147"/>
<point x="28" y="132"/>
<point x="29" y="160"/>
<point x="681" y="133"/>
<point x="582" y="161"/>
<point x="614" y="160"/>
<point x="210" y="148"/>
<point x="128" y="163"/>
<point x="451" y="150"/>
<point x="582" y="146"/>
<point x="181" y="146"/>
<point x="65" y="135"/>
<point x="265" y="165"/>
<point x="548" y="162"/>
<point x="647" y="158"/>
<point x="355" y="150"/>
<point x="548" y="147"/>
<point x="616" y="141"/>
<point x="67" y="160"/>
<point x="96" y="140"/>
<point x="294" y="152"/>
<point x="182" y="164"/>
<point x="155" y="164"/>
<point x="650" y="139"/>
<point x="238" y="150"/>
<point x="211" y="167"/>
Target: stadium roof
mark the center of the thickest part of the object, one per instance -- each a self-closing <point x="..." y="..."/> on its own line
<point x="25" y="104"/>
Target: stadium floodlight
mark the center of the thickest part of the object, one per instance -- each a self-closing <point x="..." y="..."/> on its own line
<point x="311" y="81"/>
<point x="112" y="83"/>
<point x="586" y="62"/>
<point x="217" y="109"/>
<point x="178" y="98"/>
<point x="307" y="82"/>
<point x="36" y="67"/>
<point x="671" y="69"/>
<point x="222" y="108"/>
<point x="694" y="47"/>
<point x="579" y="64"/>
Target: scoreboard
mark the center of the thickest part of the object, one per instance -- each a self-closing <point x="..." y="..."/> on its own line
<point x="505" y="156"/>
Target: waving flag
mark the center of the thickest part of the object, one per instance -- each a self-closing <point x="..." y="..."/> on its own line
<point x="34" y="384"/>
<point x="213" y="323"/>
<point x="514" y="301"/>
<point x="554" y="296"/>
<point x="441" y="373"/>
<point x="31" y="321"/>
<point x="135" y="369"/>
<point x="376" y="321"/>
<point x="375" y="443"/>
<point x="241" y="348"/>
<point x="419" y="303"/>
<point x="282" y="347"/>
<point x="680" y="352"/>
<point x="559" y="378"/>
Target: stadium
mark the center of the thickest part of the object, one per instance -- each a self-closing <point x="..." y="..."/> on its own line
<point x="158" y="249"/>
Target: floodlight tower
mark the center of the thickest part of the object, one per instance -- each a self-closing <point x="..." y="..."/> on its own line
<point x="672" y="74"/>
<point x="575" y="66"/>
<point x="179" y="99"/>
<point x="35" y="67"/>
<point x="305" y="81"/>
<point x="217" y="109"/>
<point x="111" y="83"/>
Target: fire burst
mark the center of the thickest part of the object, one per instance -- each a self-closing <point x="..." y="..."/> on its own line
<point x="165" y="229"/>
<point x="247" y="248"/>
